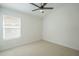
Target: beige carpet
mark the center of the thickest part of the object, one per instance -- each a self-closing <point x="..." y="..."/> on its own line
<point x="40" y="48"/>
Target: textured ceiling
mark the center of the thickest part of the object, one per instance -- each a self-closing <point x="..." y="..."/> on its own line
<point x="27" y="8"/>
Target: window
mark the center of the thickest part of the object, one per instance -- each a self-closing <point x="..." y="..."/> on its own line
<point x="11" y="27"/>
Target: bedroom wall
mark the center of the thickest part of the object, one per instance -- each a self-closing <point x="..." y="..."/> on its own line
<point x="31" y="29"/>
<point x="62" y="26"/>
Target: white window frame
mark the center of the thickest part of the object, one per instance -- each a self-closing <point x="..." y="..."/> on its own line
<point x="11" y="27"/>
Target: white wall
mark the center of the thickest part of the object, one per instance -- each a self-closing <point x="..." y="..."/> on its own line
<point x="62" y="26"/>
<point x="31" y="29"/>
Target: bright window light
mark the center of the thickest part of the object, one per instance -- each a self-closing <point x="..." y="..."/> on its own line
<point x="11" y="27"/>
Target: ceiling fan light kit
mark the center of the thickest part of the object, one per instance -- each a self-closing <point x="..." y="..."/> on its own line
<point x="42" y="7"/>
<point x="42" y="11"/>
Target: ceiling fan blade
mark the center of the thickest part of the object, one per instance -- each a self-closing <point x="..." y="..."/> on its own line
<point x="35" y="9"/>
<point x="44" y="4"/>
<point x="35" y="5"/>
<point x="47" y="8"/>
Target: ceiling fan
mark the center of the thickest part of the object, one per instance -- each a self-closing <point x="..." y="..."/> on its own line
<point x="41" y="7"/>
